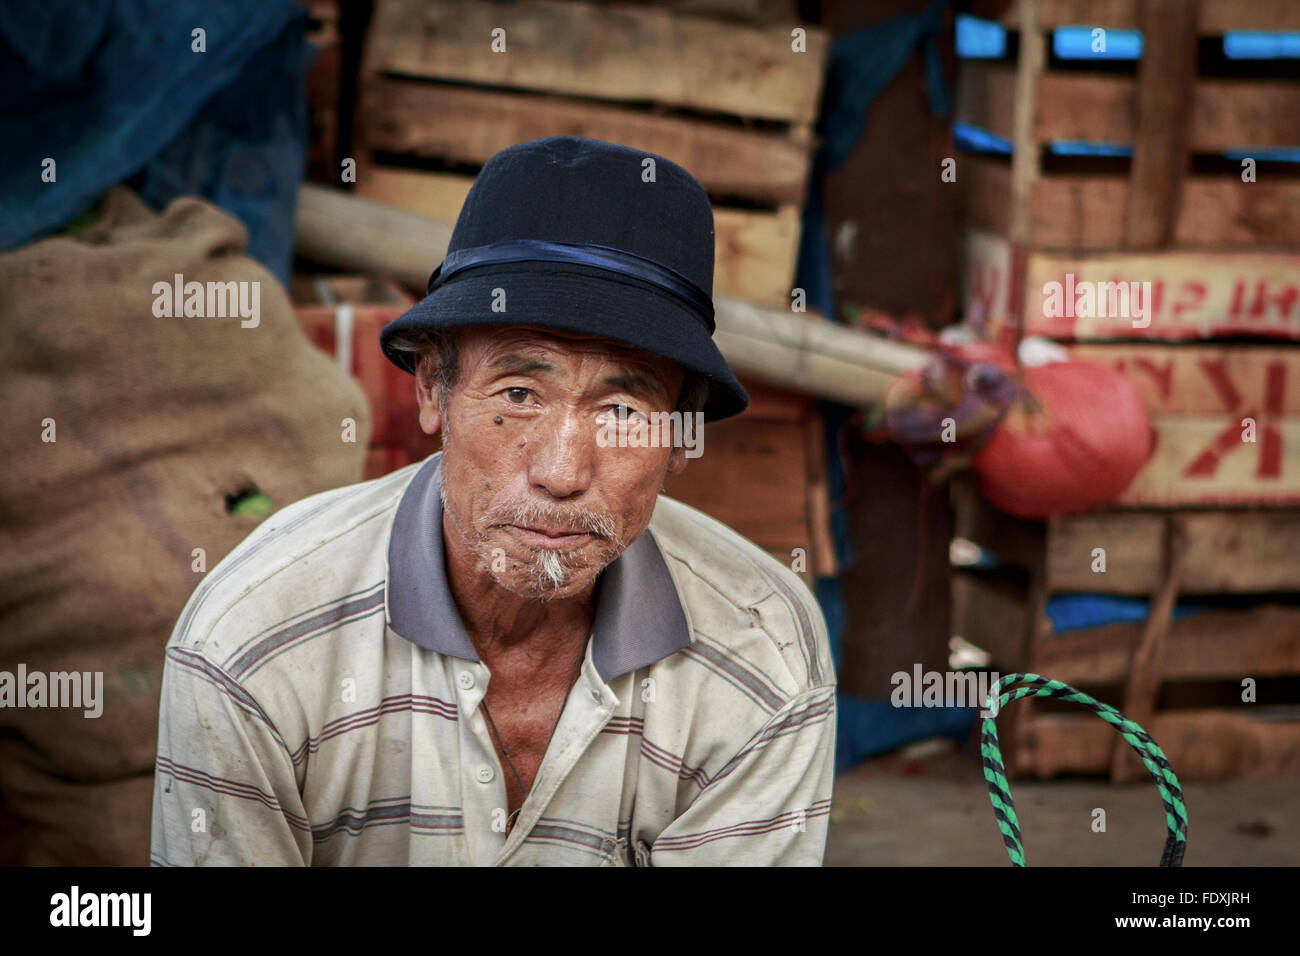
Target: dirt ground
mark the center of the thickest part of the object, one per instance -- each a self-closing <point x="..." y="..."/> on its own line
<point x="928" y="805"/>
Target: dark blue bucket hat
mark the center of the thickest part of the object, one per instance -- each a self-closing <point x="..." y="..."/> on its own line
<point x="577" y="239"/>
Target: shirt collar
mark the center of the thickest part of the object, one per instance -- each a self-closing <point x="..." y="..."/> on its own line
<point x="639" y="616"/>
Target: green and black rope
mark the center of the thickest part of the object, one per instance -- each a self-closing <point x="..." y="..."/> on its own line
<point x="1171" y="794"/>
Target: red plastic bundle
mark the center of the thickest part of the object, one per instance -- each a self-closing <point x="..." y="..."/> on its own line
<point x="1072" y="441"/>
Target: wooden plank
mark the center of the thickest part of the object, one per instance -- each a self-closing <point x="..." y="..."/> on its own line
<point x="1227" y="552"/>
<point x="622" y="53"/>
<point x="1226" y="113"/>
<point x="1255" y="551"/>
<point x="1261" y="641"/>
<point x="1131" y="543"/>
<point x="1086" y="212"/>
<point x="1166" y="74"/>
<point x="1225" y="211"/>
<point x="1206" y="460"/>
<point x="468" y="125"/>
<point x="755" y="252"/>
<point x="1217" y="16"/>
<point x="984" y="187"/>
<point x="752" y="477"/>
<point x="1205" y="379"/>
<point x="1024" y="155"/>
<point x="1209" y="744"/>
<point x="1147" y="665"/>
<point x="1193" y="295"/>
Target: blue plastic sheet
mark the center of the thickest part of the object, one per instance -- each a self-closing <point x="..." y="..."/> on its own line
<point x="113" y="91"/>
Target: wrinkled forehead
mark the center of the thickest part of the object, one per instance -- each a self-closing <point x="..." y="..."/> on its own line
<point x="489" y="345"/>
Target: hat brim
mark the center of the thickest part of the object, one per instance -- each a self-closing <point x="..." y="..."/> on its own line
<point x="574" y="298"/>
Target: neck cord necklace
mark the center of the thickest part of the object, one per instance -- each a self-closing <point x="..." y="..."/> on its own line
<point x="510" y="821"/>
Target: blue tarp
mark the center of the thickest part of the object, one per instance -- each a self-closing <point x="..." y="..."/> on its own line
<point x="113" y="91"/>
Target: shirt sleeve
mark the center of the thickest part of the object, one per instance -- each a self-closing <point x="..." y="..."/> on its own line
<point x="225" y="792"/>
<point x="770" y="805"/>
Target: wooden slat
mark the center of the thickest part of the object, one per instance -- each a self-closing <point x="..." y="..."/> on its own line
<point x="1227" y="552"/>
<point x="1193" y="294"/>
<point x="1225" y="211"/>
<point x="1217" y="16"/>
<point x="752" y="477"/>
<point x="1210" y="744"/>
<point x="1205" y="379"/>
<point x="1166" y="74"/>
<point x="984" y="184"/>
<point x="614" y="53"/>
<point x="1086" y="212"/>
<point x="1024" y="155"/>
<point x="755" y="254"/>
<point x="1204" y="461"/>
<point x="467" y="125"/>
<point x="1226" y="113"/>
<point x="1262" y="641"/>
<point x="1147" y="665"/>
<point x="1131" y="543"/>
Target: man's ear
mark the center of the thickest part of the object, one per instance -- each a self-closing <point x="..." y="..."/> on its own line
<point x="677" y="461"/>
<point x="426" y="397"/>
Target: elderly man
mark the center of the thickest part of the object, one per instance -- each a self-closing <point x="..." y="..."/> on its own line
<point x="516" y="652"/>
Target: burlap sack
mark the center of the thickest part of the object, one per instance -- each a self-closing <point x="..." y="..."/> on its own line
<point x="156" y="421"/>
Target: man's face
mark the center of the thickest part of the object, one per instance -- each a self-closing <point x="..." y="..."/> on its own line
<point x="526" y="485"/>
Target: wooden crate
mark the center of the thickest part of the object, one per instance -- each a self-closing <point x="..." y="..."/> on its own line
<point x="763" y="474"/>
<point x="343" y="316"/>
<point x="1159" y="555"/>
<point x="1198" y="393"/>
<point x="731" y="103"/>
<point x="1194" y="295"/>
<point x="1159" y="202"/>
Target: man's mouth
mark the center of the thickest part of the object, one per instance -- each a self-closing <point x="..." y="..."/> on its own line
<point x="555" y="539"/>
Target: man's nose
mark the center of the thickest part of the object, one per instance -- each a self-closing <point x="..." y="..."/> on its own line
<point x="562" y="453"/>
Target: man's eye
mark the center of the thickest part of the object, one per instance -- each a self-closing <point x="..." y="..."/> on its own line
<point x="517" y="396"/>
<point x="624" y="413"/>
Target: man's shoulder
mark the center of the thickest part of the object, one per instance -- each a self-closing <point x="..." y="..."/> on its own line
<point x="732" y="591"/>
<point x="307" y="555"/>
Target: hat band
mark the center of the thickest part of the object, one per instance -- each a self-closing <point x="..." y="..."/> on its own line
<point x="578" y="253"/>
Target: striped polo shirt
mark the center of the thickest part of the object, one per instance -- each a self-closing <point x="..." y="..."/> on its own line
<point x="320" y="704"/>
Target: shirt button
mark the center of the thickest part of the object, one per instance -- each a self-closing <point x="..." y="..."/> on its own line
<point x="595" y="695"/>
<point x="485" y="774"/>
<point x="465" y="679"/>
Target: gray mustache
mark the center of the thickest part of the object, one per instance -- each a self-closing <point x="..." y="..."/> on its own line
<point x="581" y="519"/>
